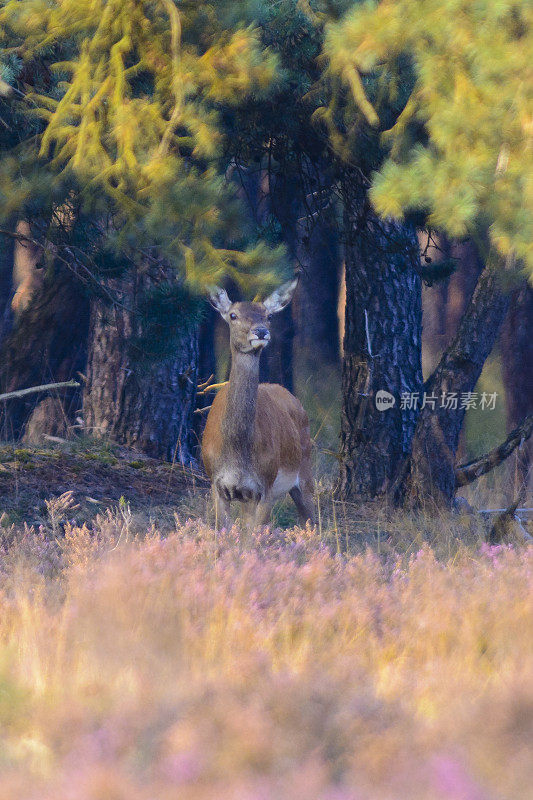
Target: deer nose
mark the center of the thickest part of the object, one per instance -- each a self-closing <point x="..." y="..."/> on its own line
<point x="261" y="333"/>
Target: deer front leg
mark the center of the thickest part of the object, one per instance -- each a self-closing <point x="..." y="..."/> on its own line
<point x="222" y="509"/>
<point x="263" y="511"/>
<point x="247" y="513"/>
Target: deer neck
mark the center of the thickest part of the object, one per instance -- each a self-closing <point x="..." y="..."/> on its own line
<point x="239" y="420"/>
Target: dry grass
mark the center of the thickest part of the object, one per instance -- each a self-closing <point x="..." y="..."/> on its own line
<point x="142" y="657"/>
<point x="262" y="666"/>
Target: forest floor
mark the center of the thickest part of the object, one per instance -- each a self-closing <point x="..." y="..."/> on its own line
<point x="98" y="476"/>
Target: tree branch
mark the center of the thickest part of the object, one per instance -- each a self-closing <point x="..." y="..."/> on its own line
<point x="43" y="388"/>
<point x="466" y="473"/>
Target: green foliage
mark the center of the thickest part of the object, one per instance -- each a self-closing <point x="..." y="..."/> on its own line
<point x="308" y="127"/>
<point x="125" y="100"/>
<point x="133" y="110"/>
<point x="436" y="272"/>
<point x="462" y="148"/>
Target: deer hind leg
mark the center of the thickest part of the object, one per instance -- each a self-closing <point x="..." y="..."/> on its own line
<point x="303" y="500"/>
<point x="302" y="496"/>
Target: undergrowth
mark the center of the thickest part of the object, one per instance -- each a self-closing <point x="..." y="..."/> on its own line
<point x="377" y="656"/>
<point x="275" y="664"/>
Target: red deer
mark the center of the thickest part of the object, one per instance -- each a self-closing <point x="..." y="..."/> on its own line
<point x="256" y="445"/>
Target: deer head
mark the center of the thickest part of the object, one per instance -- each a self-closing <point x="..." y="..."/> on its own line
<point x="249" y="323"/>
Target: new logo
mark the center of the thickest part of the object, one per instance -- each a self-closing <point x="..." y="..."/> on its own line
<point x="384" y="400"/>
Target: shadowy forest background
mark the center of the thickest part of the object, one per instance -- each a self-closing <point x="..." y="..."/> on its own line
<point x="384" y="150"/>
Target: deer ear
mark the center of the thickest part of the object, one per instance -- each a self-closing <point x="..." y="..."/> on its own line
<point x="280" y="297"/>
<point x="219" y="300"/>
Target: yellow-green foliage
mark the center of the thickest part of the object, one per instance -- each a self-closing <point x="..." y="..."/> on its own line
<point x="133" y="113"/>
<point x="472" y="90"/>
<point x="260" y="666"/>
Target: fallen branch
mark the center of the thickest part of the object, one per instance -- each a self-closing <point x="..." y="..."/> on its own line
<point x="44" y="388"/>
<point x="520" y="512"/>
<point x="466" y="473"/>
<point x="201" y="410"/>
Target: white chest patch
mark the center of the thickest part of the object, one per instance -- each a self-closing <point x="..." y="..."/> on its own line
<point x="284" y="482"/>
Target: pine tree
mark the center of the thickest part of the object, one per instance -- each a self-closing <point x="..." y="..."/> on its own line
<point x="309" y="124"/>
<point x="460" y="157"/>
<point x="516" y="346"/>
<point x="131" y="121"/>
<point x="460" y="150"/>
<point x="118" y="164"/>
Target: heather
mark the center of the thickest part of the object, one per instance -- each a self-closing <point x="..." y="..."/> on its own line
<point x="274" y="664"/>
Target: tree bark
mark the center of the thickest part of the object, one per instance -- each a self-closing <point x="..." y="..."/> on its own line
<point x="444" y="304"/>
<point x="277" y="358"/>
<point x="148" y="406"/>
<point x="277" y="199"/>
<point x="315" y="303"/>
<point x="207" y="362"/>
<point x="445" y="301"/>
<point x="462" y="283"/>
<point x="428" y="477"/>
<point x="276" y="364"/>
<point x="46" y="344"/>
<point x="7" y="247"/>
<point x="207" y="367"/>
<point x="517" y="367"/>
<point x="382" y="347"/>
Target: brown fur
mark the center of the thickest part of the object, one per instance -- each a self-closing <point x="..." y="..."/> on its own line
<point x="281" y="433"/>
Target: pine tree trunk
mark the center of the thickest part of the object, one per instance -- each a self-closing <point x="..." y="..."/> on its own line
<point x="382" y="348"/>
<point x="517" y="367"/>
<point x="207" y="367"/>
<point x="148" y="406"/>
<point x="207" y="363"/>
<point x="47" y="343"/>
<point x="277" y="359"/>
<point x="428" y="478"/>
<point x="276" y="363"/>
<point x="7" y="247"/>
<point x="445" y="301"/>
<point x="315" y="303"/>
<point x="444" y="304"/>
<point x="462" y="284"/>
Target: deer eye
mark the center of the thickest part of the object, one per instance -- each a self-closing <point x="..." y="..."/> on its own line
<point x="233" y="316"/>
<point x="269" y="317"/>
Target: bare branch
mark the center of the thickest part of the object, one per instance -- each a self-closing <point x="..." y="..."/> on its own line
<point x="45" y="387"/>
<point x="201" y="410"/>
<point x="466" y="473"/>
<point x="207" y="386"/>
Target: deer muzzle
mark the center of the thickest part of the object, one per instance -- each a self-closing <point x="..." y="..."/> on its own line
<point x="259" y="337"/>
